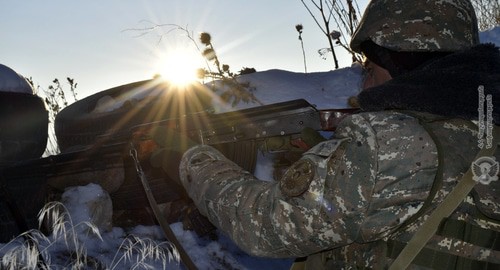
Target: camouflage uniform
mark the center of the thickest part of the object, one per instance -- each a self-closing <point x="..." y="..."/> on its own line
<point x="355" y="200"/>
<point x="352" y="202"/>
<point x="354" y="191"/>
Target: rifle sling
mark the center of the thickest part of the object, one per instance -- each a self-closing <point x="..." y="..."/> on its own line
<point x="169" y="234"/>
<point x="449" y="204"/>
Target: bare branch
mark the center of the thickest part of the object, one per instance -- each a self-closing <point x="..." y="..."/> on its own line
<point x="345" y="17"/>
<point x="314" y="17"/>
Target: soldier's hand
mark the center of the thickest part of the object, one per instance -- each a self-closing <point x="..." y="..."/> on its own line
<point x="308" y="138"/>
<point x="278" y="144"/>
<point x="311" y="137"/>
<point x="171" y="147"/>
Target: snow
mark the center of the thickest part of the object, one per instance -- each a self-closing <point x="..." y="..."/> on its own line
<point x="10" y="81"/>
<point x="273" y="86"/>
<point x="323" y="89"/>
<point x="490" y="36"/>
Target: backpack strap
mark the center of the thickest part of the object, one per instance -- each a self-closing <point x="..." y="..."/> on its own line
<point x="425" y="120"/>
<point x="449" y="204"/>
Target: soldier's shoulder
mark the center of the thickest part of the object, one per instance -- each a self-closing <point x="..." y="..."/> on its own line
<point x="390" y="120"/>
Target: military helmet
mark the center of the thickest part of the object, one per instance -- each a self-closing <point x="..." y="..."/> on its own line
<point x="418" y="25"/>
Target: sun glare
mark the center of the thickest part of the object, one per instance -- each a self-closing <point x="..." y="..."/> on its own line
<point x="179" y="67"/>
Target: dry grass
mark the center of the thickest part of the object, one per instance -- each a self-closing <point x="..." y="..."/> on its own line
<point x="69" y="244"/>
<point x="140" y="251"/>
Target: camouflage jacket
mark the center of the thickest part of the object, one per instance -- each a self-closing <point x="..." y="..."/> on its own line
<point x="353" y="201"/>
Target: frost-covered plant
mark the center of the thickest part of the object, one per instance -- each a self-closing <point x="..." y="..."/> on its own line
<point x="33" y="247"/>
<point x="23" y="252"/>
<point x="66" y="247"/>
<point x="141" y="252"/>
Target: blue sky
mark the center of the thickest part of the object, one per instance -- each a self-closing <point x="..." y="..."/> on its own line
<point x="92" y="41"/>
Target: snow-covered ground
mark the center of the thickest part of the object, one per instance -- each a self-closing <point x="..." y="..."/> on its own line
<point x="323" y="89"/>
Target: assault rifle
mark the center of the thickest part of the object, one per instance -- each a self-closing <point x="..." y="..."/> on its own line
<point x="254" y="124"/>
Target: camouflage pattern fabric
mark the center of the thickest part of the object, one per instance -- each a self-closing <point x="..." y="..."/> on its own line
<point x="346" y="197"/>
<point x="409" y="25"/>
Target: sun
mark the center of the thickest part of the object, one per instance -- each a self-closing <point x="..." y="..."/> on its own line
<point x="179" y="66"/>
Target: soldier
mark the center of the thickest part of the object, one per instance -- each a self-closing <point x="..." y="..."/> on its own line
<point x="355" y="200"/>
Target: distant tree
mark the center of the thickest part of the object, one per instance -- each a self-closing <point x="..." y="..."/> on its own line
<point x="247" y="70"/>
<point x="345" y="15"/>
<point x="487" y="12"/>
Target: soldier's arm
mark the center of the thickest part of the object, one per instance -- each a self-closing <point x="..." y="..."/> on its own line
<point x="330" y="198"/>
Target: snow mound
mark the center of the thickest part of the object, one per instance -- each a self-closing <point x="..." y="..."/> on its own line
<point x="325" y="90"/>
<point x="11" y="81"/>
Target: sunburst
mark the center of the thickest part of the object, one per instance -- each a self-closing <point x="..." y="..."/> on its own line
<point x="179" y="66"/>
